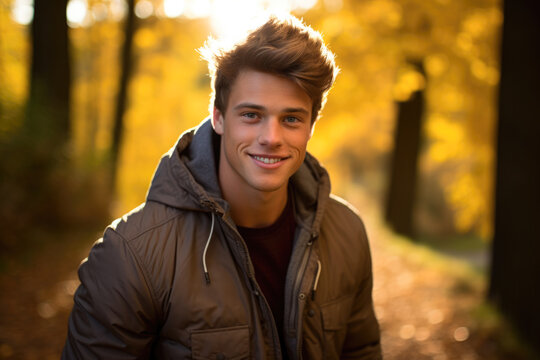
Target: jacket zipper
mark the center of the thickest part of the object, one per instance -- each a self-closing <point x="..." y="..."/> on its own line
<point x="248" y="264"/>
<point x="295" y="314"/>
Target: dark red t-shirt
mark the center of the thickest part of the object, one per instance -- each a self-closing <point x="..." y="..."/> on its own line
<point x="270" y="251"/>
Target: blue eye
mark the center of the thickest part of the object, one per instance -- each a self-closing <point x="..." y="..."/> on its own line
<point x="250" y="115"/>
<point x="291" y="119"/>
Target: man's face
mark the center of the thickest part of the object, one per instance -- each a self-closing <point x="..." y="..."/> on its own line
<point x="265" y="131"/>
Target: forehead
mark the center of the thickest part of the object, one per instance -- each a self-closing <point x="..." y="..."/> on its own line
<point x="268" y="90"/>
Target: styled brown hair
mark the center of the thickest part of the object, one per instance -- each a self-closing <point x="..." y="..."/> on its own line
<point x="283" y="46"/>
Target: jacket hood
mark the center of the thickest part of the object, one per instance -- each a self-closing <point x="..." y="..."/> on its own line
<point x="186" y="178"/>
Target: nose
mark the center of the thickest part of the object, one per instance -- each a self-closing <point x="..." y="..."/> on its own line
<point x="271" y="133"/>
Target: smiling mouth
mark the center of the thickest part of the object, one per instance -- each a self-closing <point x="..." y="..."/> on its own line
<point x="267" y="160"/>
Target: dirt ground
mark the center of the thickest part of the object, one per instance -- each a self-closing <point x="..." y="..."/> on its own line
<point x="426" y="310"/>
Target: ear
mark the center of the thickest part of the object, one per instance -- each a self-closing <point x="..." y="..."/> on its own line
<point x="217" y="121"/>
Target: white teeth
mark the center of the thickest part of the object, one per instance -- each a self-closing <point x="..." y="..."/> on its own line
<point x="267" y="160"/>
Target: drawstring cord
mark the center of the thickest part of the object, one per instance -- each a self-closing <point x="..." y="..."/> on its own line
<point x="206" y="274"/>
<point x="319" y="268"/>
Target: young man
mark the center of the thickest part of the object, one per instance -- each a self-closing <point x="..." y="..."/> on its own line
<point x="240" y="251"/>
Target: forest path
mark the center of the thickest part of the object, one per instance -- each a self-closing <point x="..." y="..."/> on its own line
<point x="424" y="301"/>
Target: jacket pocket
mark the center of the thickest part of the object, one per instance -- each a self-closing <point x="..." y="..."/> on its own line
<point x="219" y="344"/>
<point x="335" y="316"/>
<point x="336" y="313"/>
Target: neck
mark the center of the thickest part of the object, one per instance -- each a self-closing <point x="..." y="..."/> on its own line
<point x="255" y="209"/>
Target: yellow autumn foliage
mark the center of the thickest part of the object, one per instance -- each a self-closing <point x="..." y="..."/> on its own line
<point x="374" y="40"/>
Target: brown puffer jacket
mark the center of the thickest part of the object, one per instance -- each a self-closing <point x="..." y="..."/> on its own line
<point x="173" y="279"/>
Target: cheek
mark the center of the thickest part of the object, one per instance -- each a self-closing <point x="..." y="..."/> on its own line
<point x="242" y="135"/>
<point x="300" y="143"/>
<point x="237" y="140"/>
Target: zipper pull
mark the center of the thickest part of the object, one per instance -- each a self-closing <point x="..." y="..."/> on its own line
<point x="314" y="290"/>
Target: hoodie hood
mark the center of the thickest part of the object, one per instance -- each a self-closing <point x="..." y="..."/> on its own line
<point x="186" y="178"/>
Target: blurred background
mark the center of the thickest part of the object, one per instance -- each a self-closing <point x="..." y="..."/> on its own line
<point x="422" y="122"/>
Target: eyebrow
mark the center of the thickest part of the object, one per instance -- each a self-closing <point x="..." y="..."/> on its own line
<point x="248" y="105"/>
<point x="260" y="107"/>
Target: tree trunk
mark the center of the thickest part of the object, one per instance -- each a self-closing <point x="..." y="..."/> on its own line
<point x="46" y="133"/>
<point x="47" y="116"/>
<point x="515" y="268"/>
<point x="121" y="102"/>
<point x="403" y="173"/>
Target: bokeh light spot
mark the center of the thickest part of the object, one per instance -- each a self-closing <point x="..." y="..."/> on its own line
<point x="76" y="12"/>
<point x="461" y="334"/>
<point x="144" y="9"/>
<point x="435" y="316"/>
<point x="407" y="332"/>
<point x="22" y="11"/>
<point x="173" y="8"/>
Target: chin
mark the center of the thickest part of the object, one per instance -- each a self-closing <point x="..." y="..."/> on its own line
<point x="269" y="187"/>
